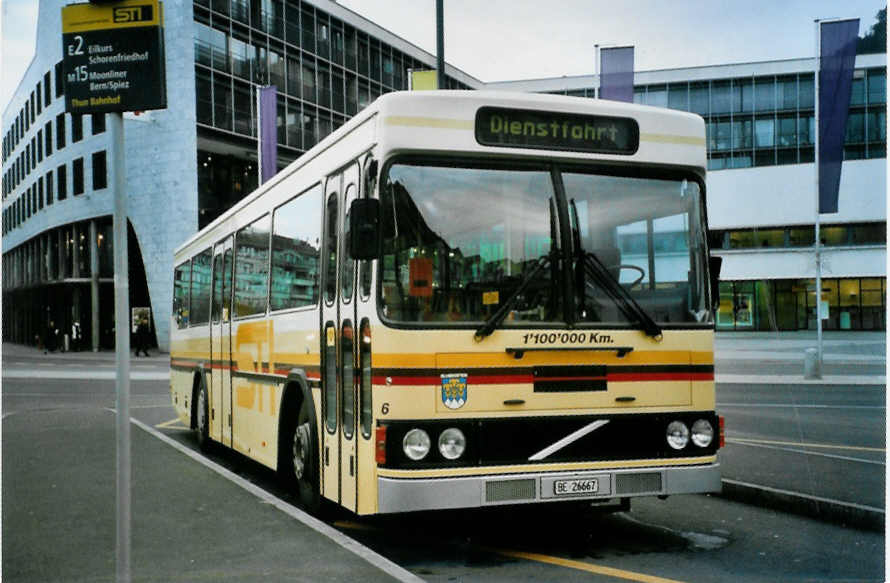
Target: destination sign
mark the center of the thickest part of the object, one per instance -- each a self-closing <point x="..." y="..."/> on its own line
<point x="113" y="57"/>
<point x="521" y="128"/>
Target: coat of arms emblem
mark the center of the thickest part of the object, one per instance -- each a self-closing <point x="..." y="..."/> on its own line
<point x="454" y="390"/>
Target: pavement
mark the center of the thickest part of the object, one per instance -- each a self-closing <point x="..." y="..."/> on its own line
<point x="765" y="361"/>
<point x="243" y="532"/>
<point x="854" y="358"/>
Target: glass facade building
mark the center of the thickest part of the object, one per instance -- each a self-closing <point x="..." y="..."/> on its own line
<point x="328" y="63"/>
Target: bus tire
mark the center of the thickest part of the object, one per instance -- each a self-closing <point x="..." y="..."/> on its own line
<point x="303" y="459"/>
<point x="202" y="418"/>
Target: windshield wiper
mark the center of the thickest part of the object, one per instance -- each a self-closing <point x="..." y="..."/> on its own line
<point x="492" y="322"/>
<point x="598" y="272"/>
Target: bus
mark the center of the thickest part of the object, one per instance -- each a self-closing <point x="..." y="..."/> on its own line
<point x="463" y="299"/>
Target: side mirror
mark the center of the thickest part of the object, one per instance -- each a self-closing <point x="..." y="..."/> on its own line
<point x="364" y="232"/>
<point x="714" y="265"/>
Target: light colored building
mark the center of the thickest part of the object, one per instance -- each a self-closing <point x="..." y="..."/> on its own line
<point x="190" y="162"/>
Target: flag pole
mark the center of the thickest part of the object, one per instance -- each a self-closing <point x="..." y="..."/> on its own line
<point x="597" y="83"/>
<point x="818" y="248"/>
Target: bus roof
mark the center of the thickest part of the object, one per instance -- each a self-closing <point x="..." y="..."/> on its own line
<point x="446" y="121"/>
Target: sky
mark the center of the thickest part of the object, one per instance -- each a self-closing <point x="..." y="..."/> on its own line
<point x="498" y="40"/>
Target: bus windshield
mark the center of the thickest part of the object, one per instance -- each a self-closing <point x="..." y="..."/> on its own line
<point x="461" y="239"/>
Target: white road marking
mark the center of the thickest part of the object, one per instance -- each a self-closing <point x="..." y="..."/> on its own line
<point x="800" y="406"/>
<point x="335" y="535"/>
<point x="101" y="375"/>
<point x="807" y="452"/>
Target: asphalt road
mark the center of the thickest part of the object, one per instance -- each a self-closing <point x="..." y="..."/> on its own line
<point x="191" y="523"/>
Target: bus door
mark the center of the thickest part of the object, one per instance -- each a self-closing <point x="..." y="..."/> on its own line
<point x="330" y="326"/>
<point x="220" y="344"/>
<point x="338" y="316"/>
<point x="348" y="338"/>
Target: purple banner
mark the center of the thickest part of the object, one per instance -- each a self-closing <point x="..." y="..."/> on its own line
<point x="836" y="61"/>
<point x="617" y="74"/>
<point x="268" y="133"/>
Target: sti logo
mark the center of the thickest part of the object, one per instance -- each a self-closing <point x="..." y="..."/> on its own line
<point x="133" y="14"/>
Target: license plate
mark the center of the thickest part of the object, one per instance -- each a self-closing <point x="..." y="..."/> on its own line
<point x="575" y="487"/>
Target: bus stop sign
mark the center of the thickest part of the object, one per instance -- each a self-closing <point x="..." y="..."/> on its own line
<point x="113" y="57"/>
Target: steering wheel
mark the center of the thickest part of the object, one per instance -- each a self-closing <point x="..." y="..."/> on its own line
<point x="635" y="268"/>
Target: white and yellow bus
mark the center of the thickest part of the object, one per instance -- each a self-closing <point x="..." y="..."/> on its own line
<point x="462" y="299"/>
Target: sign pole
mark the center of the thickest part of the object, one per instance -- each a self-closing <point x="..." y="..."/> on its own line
<point x="818" y="248"/>
<point x="122" y="345"/>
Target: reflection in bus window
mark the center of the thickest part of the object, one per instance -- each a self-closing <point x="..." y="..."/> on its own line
<point x="444" y="263"/>
<point x="296" y="253"/>
<point x="650" y="241"/>
<point x="200" y="304"/>
<point x="252" y="267"/>
<point x="181" y="285"/>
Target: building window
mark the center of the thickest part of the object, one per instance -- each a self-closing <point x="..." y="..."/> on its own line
<point x="100" y="176"/>
<point x="39" y="146"/>
<point x="77" y="175"/>
<point x="76" y="128"/>
<point x="60" y="81"/>
<point x="47" y="90"/>
<point x="60" y="131"/>
<point x="48" y="138"/>
<point x="98" y="123"/>
<point x="49" y="187"/>
<point x="62" y="182"/>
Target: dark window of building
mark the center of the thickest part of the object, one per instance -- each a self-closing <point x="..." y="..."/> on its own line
<point x="47" y="90"/>
<point x="40" y="192"/>
<point x="60" y="80"/>
<point x="33" y="107"/>
<point x="76" y="128"/>
<point x="62" y="175"/>
<point x="39" y="146"/>
<point x="60" y="131"/>
<point x="49" y="187"/>
<point x="252" y="267"/>
<point x="98" y="123"/>
<point x="203" y="96"/>
<point x="48" y="138"/>
<point x="100" y="175"/>
<point x="77" y="175"/>
<point x="38" y="101"/>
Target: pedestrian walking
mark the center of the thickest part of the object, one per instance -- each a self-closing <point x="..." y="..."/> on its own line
<point x="75" y="336"/>
<point x="51" y="342"/>
<point x="142" y="334"/>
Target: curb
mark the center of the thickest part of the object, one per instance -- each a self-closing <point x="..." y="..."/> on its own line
<point x="835" y="511"/>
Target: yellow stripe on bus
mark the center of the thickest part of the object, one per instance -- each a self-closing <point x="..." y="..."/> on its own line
<point x="428" y="122"/>
<point x="669" y="139"/>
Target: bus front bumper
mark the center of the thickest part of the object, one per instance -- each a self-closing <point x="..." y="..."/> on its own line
<point x="407" y="494"/>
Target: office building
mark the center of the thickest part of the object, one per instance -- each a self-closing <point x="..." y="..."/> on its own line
<point x="187" y="164"/>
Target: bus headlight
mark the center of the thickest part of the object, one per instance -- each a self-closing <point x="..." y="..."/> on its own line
<point x="416" y="444"/>
<point x="677" y="434"/>
<point x="452" y="443"/>
<point x="702" y="433"/>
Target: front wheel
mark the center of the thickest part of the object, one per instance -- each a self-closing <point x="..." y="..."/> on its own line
<point x="304" y="459"/>
<point x="202" y="419"/>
